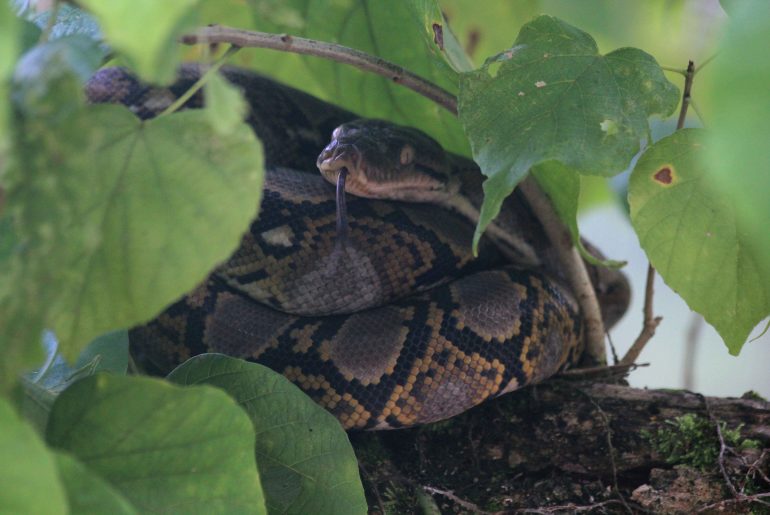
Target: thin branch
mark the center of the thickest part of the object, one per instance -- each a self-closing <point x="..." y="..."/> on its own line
<point x="331" y="51"/>
<point x="722" y="448"/>
<point x="569" y="508"/>
<point x="721" y="505"/>
<point x="650" y="324"/>
<point x="214" y="68"/>
<point x="600" y="371"/>
<point x="610" y="449"/>
<point x="557" y="233"/>
<point x="575" y="269"/>
<point x="452" y="497"/>
<point x="650" y="320"/>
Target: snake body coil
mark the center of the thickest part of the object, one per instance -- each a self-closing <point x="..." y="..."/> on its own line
<point x="341" y="319"/>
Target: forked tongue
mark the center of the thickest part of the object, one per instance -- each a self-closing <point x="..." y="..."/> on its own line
<point x="342" y="208"/>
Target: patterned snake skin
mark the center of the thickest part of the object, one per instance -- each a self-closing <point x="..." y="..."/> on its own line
<point x="395" y="326"/>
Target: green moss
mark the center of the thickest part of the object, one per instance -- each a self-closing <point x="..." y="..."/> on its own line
<point x="692" y="440"/>
<point x="753" y="396"/>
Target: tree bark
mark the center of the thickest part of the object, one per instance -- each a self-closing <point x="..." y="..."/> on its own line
<point x="567" y="447"/>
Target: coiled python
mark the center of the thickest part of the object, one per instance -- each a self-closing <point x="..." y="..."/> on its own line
<point x="391" y="323"/>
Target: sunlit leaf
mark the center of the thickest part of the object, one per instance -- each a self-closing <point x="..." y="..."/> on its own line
<point x="692" y="237"/>
<point x="166" y="200"/>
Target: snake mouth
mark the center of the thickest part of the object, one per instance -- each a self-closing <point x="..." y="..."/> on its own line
<point x="389" y="182"/>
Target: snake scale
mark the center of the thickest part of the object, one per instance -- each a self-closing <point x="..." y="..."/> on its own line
<point x="394" y="324"/>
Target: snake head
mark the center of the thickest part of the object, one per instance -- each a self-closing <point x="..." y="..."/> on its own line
<point x="387" y="161"/>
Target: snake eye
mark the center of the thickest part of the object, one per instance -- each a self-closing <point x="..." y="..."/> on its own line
<point x="336" y="132"/>
<point x="407" y="154"/>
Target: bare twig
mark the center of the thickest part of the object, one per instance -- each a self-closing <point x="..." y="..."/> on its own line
<point x="600" y="371"/>
<point x="650" y="320"/>
<point x="743" y="499"/>
<point x="756" y="467"/>
<point x="688" y="78"/>
<point x="569" y="508"/>
<point x="611" y="451"/>
<point x="575" y="269"/>
<point x="331" y="51"/>
<point x="452" y="497"/>
<point x="722" y="448"/>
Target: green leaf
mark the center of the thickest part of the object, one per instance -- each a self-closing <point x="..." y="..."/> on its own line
<point x="87" y="492"/>
<point x="552" y="96"/>
<point x="166" y="200"/>
<point x="154" y="54"/>
<point x="390" y="30"/>
<point x="692" y="238"/>
<point x="164" y="448"/>
<point x="304" y="457"/>
<point x="225" y="106"/>
<point x="28" y="475"/>
<point x="562" y="185"/>
<point x="738" y="154"/>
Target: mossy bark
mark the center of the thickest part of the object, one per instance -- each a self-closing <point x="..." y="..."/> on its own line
<point x="572" y="445"/>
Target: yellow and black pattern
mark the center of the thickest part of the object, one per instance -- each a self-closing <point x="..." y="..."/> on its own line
<point x="394" y="326"/>
<point x="291" y="259"/>
<point x="418" y="360"/>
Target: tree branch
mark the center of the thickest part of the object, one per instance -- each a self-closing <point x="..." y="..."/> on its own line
<point x="574" y="267"/>
<point x="554" y="228"/>
<point x="331" y="51"/>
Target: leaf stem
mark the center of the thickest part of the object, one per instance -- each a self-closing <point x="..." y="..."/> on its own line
<point x="214" y="68"/>
<point x="331" y="51"/>
<point x="705" y="63"/>
<point x="694" y="106"/>
<point x="674" y="70"/>
<point x="651" y="322"/>
<point x="555" y="229"/>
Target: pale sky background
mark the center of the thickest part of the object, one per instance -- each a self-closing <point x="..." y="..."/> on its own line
<point x="716" y="372"/>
